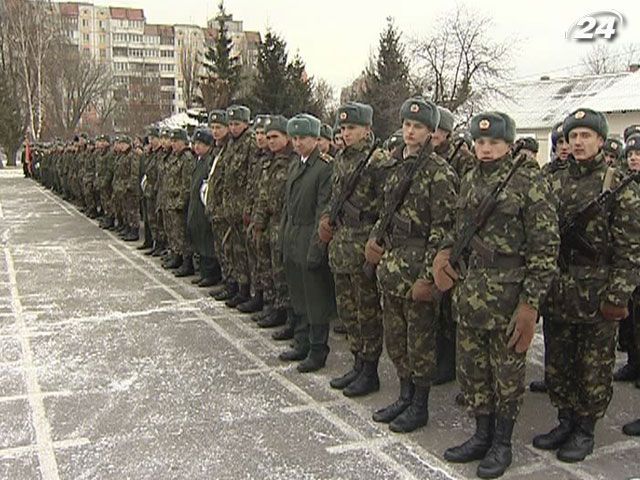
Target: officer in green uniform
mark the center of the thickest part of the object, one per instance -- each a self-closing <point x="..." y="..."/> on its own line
<point x="592" y="291"/>
<point x="512" y="259"/>
<point x="309" y="279"/>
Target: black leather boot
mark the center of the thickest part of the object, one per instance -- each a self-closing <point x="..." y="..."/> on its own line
<point x="315" y="360"/>
<point x="416" y="415"/>
<point x="265" y="312"/>
<point x="343" y="381"/>
<point x="276" y="318"/>
<point x="132" y="235"/>
<point x="210" y="281"/>
<point x="538" y="386"/>
<point x="294" y="354"/>
<point x="186" y="269"/>
<point x="285" y="334"/>
<point x="255" y="303"/>
<point x="160" y="247"/>
<point x="367" y="381"/>
<point x="146" y="245"/>
<point x="390" y="412"/>
<point x="499" y="456"/>
<point x="559" y="434"/>
<point x="173" y="261"/>
<point x="196" y="280"/>
<point x="477" y="446"/>
<point x="627" y="373"/>
<point x="230" y="291"/>
<point x="580" y="442"/>
<point x="632" y="429"/>
<point x="243" y="295"/>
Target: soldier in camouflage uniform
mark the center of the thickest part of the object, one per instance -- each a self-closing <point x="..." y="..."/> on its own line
<point x="177" y="184"/>
<point x="88" y="182"/>
<point x="257" y="252"/>
<point x="419" y="224"/>
<point x="104" y="179"/>
<point x="121" y="174"/>
<point x="325" y="142"/>
<point x="132" y="191"/>
<point x="613" y="150"/>
<point x="309" y="279"/>
<point x="559" y="152"/>
<point x="266" y="222"/>
<point x="511" y="261"/>
<point x="236" y="157"/>
<point x="357" y="296"/>
<point x="212" y="194"/>
<point x="149" y="186"/>
<point x="164" y="153"/>
<point x="592" y="291"/>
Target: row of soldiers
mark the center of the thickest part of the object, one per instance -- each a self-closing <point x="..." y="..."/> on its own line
<point x="397" y="240"/>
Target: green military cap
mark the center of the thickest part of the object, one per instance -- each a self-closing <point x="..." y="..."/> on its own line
<point x="355" y="113"/>
<point x="103" y="138"/>
<point x="259" y="122"/>
<point x="465" y="136"/>
<point x="123" y="139"/>
<point x="238" y="113"/>
<point x="586" y="118"/>
<point x="529" y="143"/>
<point x="496" y="125"/>
<point x="446" y="120"/>
<point x="180" y="134"/>
<point x="203" y="135"/>
<point x="630" y="130"/>
<point x="165" y="132"/>
<point x="218" y="116"/>
<point x="304" y="125"/>
<point x="83" y="136"/>
<point x="394" y="140"/>
<point x="633" y="143"/>
<point x="326" y="131"/>
<point x="420" y="110"/>
<point x="153" y="131"/>
<point x="277" y="123"/>
<point x="613" y="146"/>
<point x="556" y="134"/>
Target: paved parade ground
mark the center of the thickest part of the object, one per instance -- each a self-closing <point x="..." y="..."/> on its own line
<point x="111" y="368"/>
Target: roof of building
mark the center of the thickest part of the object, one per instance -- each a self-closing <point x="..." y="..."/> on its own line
<point x="126" y="13"/>
<point x="69" y="9"/>
<point x="541" y="103"/>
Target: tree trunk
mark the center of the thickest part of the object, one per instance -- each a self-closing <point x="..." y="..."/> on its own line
<point x="11" y="158"/>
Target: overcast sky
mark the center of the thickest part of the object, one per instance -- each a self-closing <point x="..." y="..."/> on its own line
<point x="335" y="37"/>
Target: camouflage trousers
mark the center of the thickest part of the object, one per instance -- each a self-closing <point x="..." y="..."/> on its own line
<point x="359" y="309"/>
<point x="410" y="337"/>
<point x="131" y="209"/>
<point x="152" y="217"/>
<point x="90" y="200"/>
<point x="222" y="247"/>
<point x="491" y="376"/>
<point x="259" y="260"/>
<point x="106" y="199"/>
<point x="238" y="261"/>
<point x="277" y="291"/>
<point x="175" y="224"/>
<point x="579" y="366"/>
<point x="629" y="336"/>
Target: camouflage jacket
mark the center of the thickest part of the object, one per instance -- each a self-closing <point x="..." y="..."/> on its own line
<point x="104" y="169"/>
<point x="121" y="173"/>
<point x="521" y="237"/>
<point x="236" y="158"/>
<point x="161" y="188"/>
<point x="461" y="162"/>
<point x="361" y="211"/>
<point x="268" y="208"/>
<point x="583" y="285"/>
<point x="178" y="180"/>
<point x="259" y="163"/>
<point x="420" y="223"/>
<point x="89" y="168"/>
<point x="213" y="208"/>
<point x="151" y="172"/>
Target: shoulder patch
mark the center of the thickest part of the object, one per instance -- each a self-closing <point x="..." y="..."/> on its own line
<point x="325" y="157"/>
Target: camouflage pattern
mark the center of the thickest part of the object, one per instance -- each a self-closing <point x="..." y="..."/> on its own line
<point x="267" y="217"/>
<point x="524" y="230"/>
<point x="152" y="159"/>
<point x="357" y="296"/>
<point x="213" y="208"/>
<point x="420" y="225"/>
<point x="121" y="176"/>
<point x="462" y="161"/>
<point x="132" y="190"/>
<point x="573" y="307"/>
<point x="177" y="183"/>
<point x="235" y="196"/>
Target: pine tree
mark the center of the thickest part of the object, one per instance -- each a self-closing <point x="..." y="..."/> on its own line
<point x="224" y="69"/>
<point x="387" y="82"/>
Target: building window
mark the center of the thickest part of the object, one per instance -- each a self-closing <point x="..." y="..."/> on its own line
<point x="103" y="38"/>
<point x="85" y="37"/>
<point x="84" y="22"/>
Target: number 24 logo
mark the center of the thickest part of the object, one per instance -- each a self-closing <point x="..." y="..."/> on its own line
<point x="599" y="24"/>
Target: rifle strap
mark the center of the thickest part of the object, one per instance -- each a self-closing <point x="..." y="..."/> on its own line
<point x="608" y="179"/>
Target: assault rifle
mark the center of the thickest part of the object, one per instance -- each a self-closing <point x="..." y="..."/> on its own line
<point x="349" y="185"/>
<point x="572" y="228"/>
<point x="386" y="221"/>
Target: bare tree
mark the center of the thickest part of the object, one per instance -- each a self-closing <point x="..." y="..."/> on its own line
<point x="604" y="58"/>
<point x="33" y="33"/>
<point x="75" y="83"/>
<point x="458" y="62"/>
<point x="190" y="67"/>
<point x="143" y="102"/>
<point x="325" y="100"/>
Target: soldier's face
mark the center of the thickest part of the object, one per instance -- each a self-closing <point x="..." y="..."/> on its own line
<point x="439" y="137"/>
<point x="219" y="131"/>
<point x="178" y="145"/>
<point x="610" y="158"/>
<point x="324" y="145"/>
<point x="585" y="143"/>
<point x="236" y="128"/>
<point x="414" y="133"/>
<point x="201" y="148"/>
<point x="489" y="149"/>
<point x="352" y="134"/>
<point x="633" y="158"/>
<point x="304" y="146"/>
<point x="261" y="139"/>
<point x="154" y="142"/>
<point x="276" y="141"/>
<point x="165" y="142"/>
<point x="562" y="149"/>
